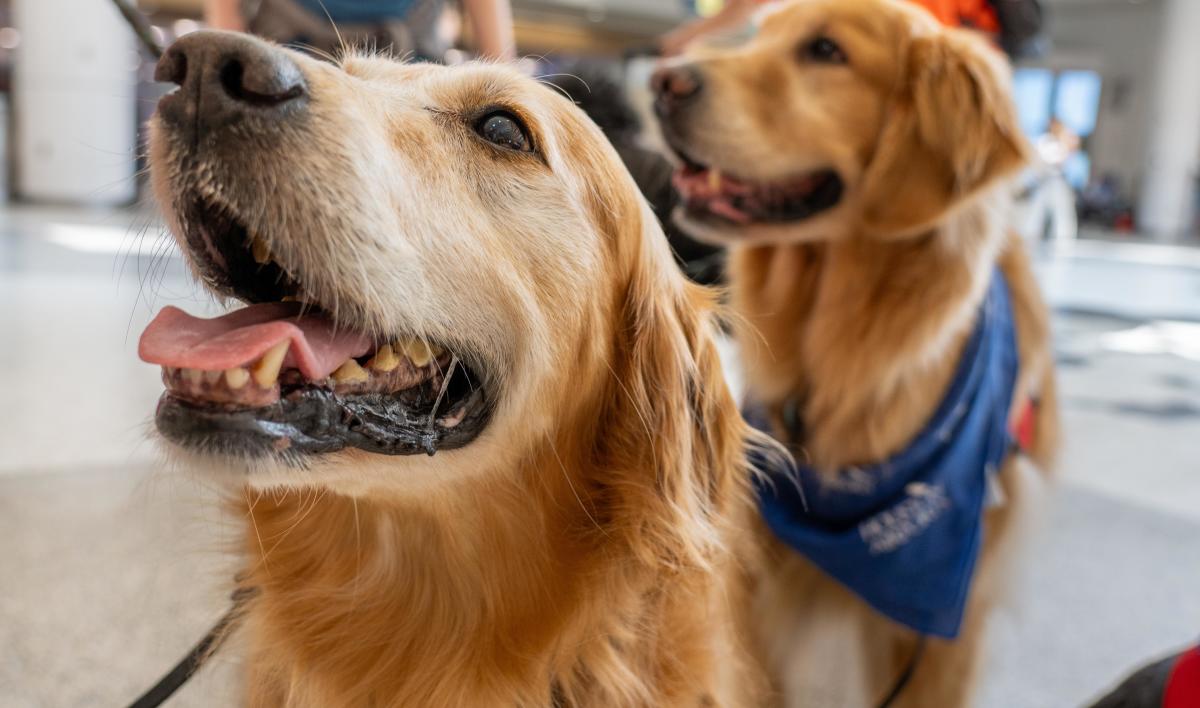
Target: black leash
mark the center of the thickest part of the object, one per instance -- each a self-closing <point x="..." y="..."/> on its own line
<point x="137" y="22"/>
<point x="191" y="663"/>
<point x="905" y="676"/>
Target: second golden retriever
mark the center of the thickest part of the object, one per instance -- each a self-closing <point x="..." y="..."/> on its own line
<point x="854" y="155"/>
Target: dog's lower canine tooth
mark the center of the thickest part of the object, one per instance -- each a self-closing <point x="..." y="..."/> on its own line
<point x="417" y="352"/>
<point x="259" y="250"/>
<point x="266" y="371"/>
<point x="714" y="179"/>
<point x="237" y="378"/>
<point x="385" y="359"/>
<point x="350" y="372"/>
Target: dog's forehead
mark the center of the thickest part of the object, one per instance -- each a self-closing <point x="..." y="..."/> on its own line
<point x="475" y="85"/>
<point x="455" y="88"/>
<point x="568" y="140"/>
<point x="878" y="18"/>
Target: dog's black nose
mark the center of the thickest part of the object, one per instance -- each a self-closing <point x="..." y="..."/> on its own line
<point x="673" y="86"/>
<point x="226" y="75"/>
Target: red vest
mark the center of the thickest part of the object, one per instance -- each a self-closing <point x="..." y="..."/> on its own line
<point x="976" y="14"/>
<point x="1183" y="687"/>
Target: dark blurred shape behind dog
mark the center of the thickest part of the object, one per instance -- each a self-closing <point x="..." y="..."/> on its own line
<point x="593" y="87"/>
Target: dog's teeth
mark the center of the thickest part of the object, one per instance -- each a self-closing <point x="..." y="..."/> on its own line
<point x="193" y="376"/>
<point x="262" y="254"/>
<point x="417" y="352"/>
<point x="266" y="371"/>
<point x="436" y="350"/>
<point x="385" y="359"/>
<point x="714" y="179"/>
<point x="237" y="378"/>
<point x="350" y="372"/>
<point x="212" y="377"/>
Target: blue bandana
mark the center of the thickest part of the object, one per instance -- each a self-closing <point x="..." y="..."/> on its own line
<point x="903" y="534"/>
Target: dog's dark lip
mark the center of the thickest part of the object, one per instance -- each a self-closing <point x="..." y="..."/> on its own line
<point x="312" y="420"/>
<point x="687" y="160"/>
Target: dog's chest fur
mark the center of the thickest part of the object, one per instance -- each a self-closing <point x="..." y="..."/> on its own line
<point x="863" y="336"/>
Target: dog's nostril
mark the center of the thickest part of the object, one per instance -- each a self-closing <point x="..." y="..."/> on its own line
<point x="232" y="75"/>
<point x="658" y="81"/>
<point x="172" y="68"/>
<point x="675" y="84"/>
<point x="272" y="85"/>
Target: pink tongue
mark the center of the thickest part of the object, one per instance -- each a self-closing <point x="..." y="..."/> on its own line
<point x="175" y="338"/>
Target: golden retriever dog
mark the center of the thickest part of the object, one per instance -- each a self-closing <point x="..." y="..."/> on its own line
<point x="471" y="411"/>
<point x="854" y="156"/>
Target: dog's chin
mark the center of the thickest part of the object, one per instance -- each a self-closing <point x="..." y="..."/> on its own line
<point x="718" y="231"/>
<point x="350" y="472"/>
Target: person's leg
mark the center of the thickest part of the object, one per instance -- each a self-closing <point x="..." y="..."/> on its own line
<point x="1066" y="222"/>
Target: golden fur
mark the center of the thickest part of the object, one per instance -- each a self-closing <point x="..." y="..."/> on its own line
<point x="590" y="548"/>
<point x="860" y="312"/>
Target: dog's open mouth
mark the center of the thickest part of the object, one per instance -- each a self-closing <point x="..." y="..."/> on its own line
<point x="709" y="193"/>
<point x="280" y="375"/>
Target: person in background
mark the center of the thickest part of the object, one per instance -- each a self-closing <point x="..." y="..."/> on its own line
<point x="419" y="29"/>
<point x="976" y="14"/>
<point x="1049" y="198"/>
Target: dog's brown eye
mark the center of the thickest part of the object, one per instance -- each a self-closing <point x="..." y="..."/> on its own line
<point x="824" y="50"/>
<point x="504" y="130"/>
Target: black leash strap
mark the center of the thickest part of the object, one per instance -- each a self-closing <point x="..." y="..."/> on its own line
<point x="140" y="27"/>
<point x="191" y="663"/>
<point x="906" y="675"/>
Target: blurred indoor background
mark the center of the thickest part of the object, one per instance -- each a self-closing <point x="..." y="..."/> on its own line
<point x="112" y="565"/>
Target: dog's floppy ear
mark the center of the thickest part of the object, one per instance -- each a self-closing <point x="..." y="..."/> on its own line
<point x="669" y="442"/>
<point x="952" y="130"/>
<point x="672" y="433"/>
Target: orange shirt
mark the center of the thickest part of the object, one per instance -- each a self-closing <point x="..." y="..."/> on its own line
<point x="977" y="14"/>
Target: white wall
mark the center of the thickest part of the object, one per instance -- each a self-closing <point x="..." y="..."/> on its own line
<point x="73" y="102"/>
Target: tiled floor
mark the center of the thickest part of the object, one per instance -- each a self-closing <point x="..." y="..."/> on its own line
<point x="110" y="565"/>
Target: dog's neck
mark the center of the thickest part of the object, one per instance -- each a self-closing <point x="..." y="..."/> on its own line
<point x="864" y="334"/>
<point x="567" y="579"/>
<point x="398" y="594"/>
